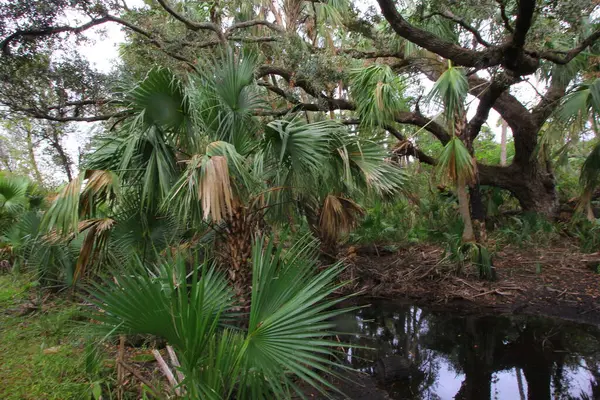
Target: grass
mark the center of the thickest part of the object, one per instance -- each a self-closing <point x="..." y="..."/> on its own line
<point x="42" y="356"/>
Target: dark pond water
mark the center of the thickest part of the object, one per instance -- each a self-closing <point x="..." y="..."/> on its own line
<point x="424" y="354"/>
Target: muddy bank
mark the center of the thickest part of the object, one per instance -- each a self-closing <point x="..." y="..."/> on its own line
<point x="558" y="281"/>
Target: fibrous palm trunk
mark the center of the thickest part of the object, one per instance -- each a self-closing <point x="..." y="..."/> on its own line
<point x="236" y="251"/>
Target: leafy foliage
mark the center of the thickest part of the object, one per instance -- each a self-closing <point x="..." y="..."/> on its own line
<point x="287" y="325"/>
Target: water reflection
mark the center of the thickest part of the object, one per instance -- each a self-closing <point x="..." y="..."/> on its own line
<point x="420" y="354"/>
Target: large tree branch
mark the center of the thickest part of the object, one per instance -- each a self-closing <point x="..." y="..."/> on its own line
<point x="549" y="101"/>
<point x="431" y="42"/>
<point x="571" y="54"/>
<point x="511" y="109"/>
<point x="192" y="25"/>
<point x="306" y="85"/>
<point x="418" y="119"/>
<point x="50" y="31"/>
<point x="523" y="22"/>
<point x="256" y="22"/>
<point x="487" y="99"/>
<point x="449" y="15"/>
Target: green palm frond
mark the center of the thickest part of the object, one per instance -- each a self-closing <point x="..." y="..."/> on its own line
<point x="290" y="316"/>
<point x="589" y="179"/>
<point x="13" y="194"/>
<point x="300" y="146"/>
<point x="362" y="165"/>
<point x="149" y="160"/>
<point x="578" y="105"/>
<point x="81" y="198"/>
<point x="288" y="328"/>
<point x="451" y="90"/>
<point x="575" y="110"/>
<point x="455" y="163"/>
<point x="226" y="99"/>
<point x="379" y="94"/>
<point x="159" y="99"/>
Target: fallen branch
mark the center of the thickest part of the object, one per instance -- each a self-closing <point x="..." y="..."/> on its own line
<point x="176" y="364"/>
<point x="496" y="291"/>
<point x="166" y="371"/>
<point x="139" y="377"/>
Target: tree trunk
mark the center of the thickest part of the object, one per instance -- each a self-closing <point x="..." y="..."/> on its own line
<point x="503" y="143"/>
<point x="534" y="186"/>
<point x="465" y="212"/>
<point x="478" y="213"/>
<point x="589" y="211"/>
<point x="236" y="252"/>
<point x="32" y="161"/>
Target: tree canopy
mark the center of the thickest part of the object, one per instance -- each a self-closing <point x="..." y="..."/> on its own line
<point x="362" y="64"/>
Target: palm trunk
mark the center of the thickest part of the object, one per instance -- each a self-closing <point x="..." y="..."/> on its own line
<point x="237" y="251"/>
<point x="465" y="212"/>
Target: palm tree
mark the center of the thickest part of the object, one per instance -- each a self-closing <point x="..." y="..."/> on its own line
<point x="286" y="339"/>
<point x="195" y="150"/>
<point x="455" y="162"/>
<point x="578" y="109"/>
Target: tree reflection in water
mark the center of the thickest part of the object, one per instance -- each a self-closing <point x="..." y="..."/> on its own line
<point x="420" y="354"/>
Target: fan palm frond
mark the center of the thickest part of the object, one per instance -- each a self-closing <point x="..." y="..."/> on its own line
<point x="451" y="90"/>
<point x="379" y="94"/>
<point x="160" y="100"/>
<point x="13" y="194"/>
<point x="589" y="178"/>
<point x="94" y="243"/>
<point x="226" y="100"/>
<point x="455" y="163"/>
<point x="288" y="327"/>
<point x="212" y="184"/>
<point x="63" y="214"/>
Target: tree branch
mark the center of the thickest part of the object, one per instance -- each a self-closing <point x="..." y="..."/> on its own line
<point x="53" y="30"/>
<point x="94" y="118"/>
<point x="418" y="119"/>
<point x="247" y="24"/>
<point x="449" y="15"/>
<point x="504" y="16"/>
<point x="523" y="22"/>
<point x="431" y="42"/>
<point x="413" y="151"/>
<point x="192" y="25"/>
<point x="571" y="54"/>
<point x="487" y="98"/>
<point x="511" y="109"/>
<point x="304" y="83"/>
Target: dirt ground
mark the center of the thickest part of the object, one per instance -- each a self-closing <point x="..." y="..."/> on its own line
<point x="557" y="281"/>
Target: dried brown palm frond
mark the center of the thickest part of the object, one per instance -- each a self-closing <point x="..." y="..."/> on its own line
<point x="215" y="189"/>
<point x="100" y="186"/>
<point x="402" y="151"/>
<point x="95" y="241"/>
<point x="338" y="216"/>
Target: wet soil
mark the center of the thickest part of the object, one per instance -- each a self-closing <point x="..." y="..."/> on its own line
<point x="557" y="281"/>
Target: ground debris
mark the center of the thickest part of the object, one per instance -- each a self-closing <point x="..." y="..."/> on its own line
<point x="555" y="281"/>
